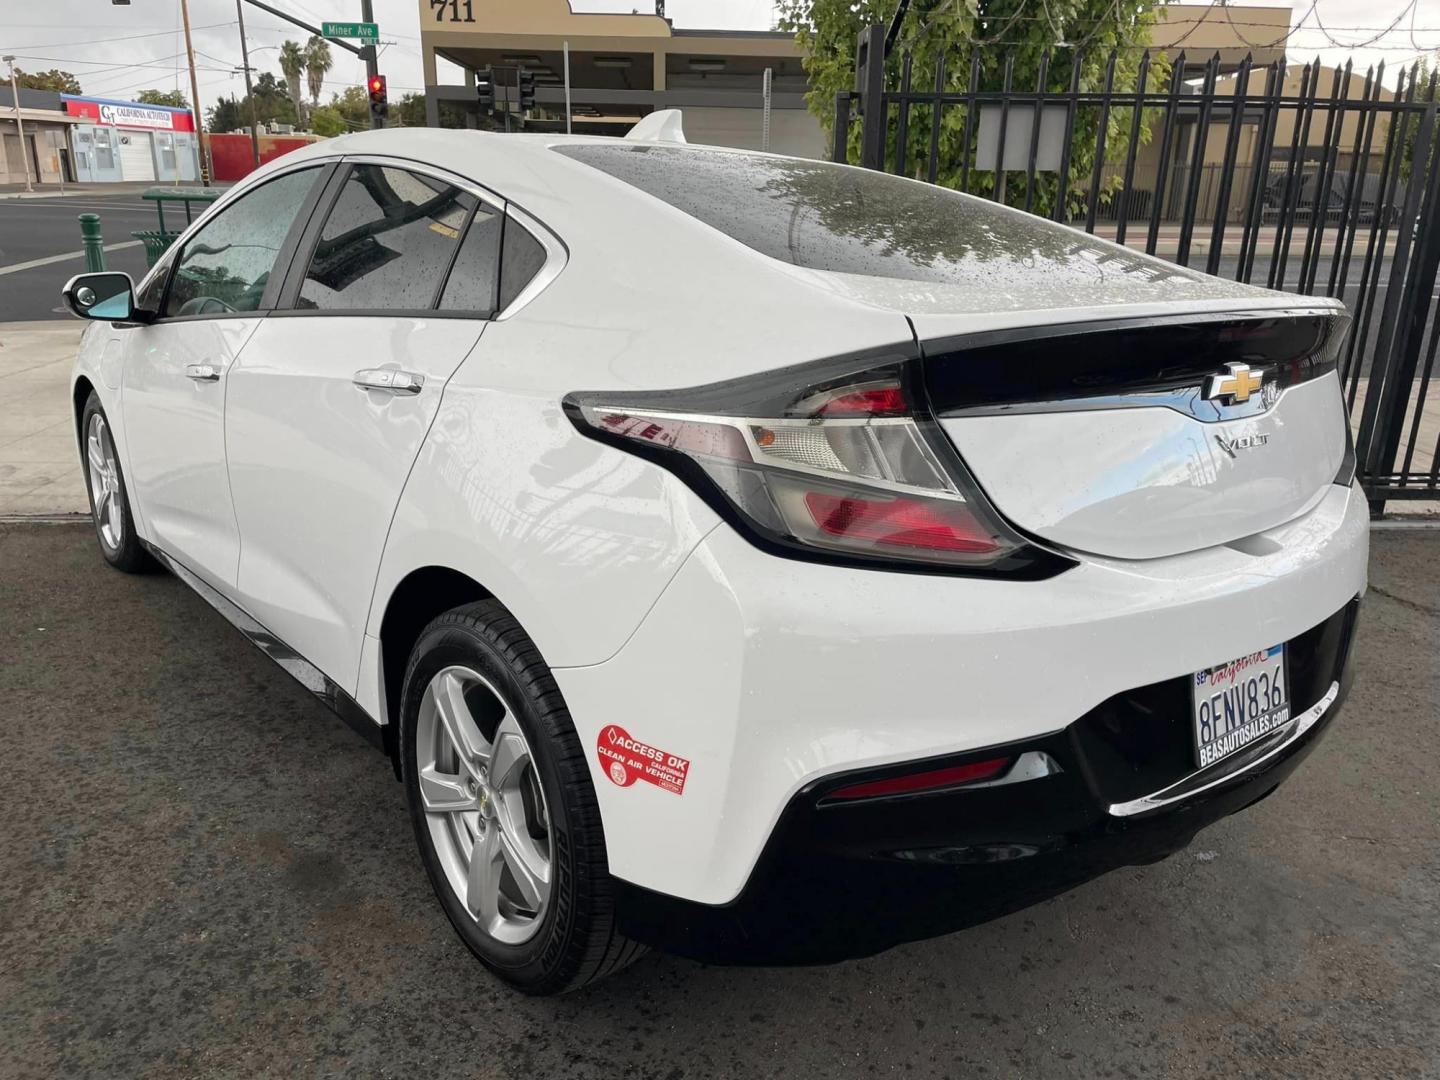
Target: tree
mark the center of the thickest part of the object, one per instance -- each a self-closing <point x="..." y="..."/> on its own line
<point x="162" y="97"/>
<point x="61" y="82"/>
<point x="409" y="111"/>
<point x="272" y="101"/>
<point x="317" y="64"/>
<point x="226" y="115"/>
<point x="353" y="104"/>
<point x="827" y="30"/>
<point x="292" y="63"/>
<point x="327" y="121"/>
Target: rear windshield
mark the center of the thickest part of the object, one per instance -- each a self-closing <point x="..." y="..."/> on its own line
<point x="854" y="221"/>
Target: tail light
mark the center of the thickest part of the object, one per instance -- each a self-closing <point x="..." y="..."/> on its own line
<point x="842" y="468"/>
<point x="954" y="776"/>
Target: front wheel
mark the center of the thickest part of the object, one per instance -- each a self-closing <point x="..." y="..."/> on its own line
<point x="109" y="497"/>
<point x="502" y="805"/>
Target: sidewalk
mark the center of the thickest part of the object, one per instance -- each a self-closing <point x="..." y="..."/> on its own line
<point x="51" y="191"/>
<point x="39" y="465"/>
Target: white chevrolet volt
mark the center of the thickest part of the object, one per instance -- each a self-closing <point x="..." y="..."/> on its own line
<point x="762" y="559"/>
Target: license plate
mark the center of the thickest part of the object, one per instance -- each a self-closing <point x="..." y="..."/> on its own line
<point x="1239" y="702"/>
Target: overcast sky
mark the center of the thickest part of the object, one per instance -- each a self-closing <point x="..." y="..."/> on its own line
<point x="118" y="51"/>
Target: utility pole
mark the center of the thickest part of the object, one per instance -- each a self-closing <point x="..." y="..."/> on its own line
<point x="195" y="96"/>
<point x="19" y="123"/>
<point x="249" y="90"/>
<point x="372" y="66"/>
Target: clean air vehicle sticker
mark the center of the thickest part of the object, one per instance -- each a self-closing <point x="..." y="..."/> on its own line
<point x="626" y="760"/>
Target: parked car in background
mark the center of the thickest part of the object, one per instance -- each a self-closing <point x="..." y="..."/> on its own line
<point x="753" y="557"/>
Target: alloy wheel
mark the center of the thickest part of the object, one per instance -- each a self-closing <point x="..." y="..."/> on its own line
<point x="483" y="804"/>
<point x="106" y="497"/>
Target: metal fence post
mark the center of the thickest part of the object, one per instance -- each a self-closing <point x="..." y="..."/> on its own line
<point x="92" y="244"/>
<point x="870" y="85"/>
<point x="840" y="148"/>
<point x="1406" y="315"/>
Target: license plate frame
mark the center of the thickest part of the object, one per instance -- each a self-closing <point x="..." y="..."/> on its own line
<point x="1240" y="702"/>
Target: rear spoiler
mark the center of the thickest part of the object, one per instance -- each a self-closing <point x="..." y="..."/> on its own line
<point x="662" y="126"/>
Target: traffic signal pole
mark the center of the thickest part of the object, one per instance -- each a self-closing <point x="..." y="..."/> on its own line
<point x="366" y="53"/>
<point x="372" y="65"/>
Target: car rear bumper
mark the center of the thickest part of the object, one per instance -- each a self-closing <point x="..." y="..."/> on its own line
<point x="844" y="879"/>
<point x="761" y="677"/>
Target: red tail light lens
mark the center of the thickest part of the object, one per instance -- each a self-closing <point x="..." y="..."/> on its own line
<point x="914" y="783"/>
<point x="842" y="468"/>
<point x="900" y="522"/>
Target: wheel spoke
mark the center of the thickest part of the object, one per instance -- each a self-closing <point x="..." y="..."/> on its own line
<point x="95" y="455"/>
<point x="482" y="891"/>
<point x="528" y="867"/>
<point x="460" y="727"/>
<point x="444" y="794"/>
<point x="509" y="754"/>
<point x="112" y="513"/>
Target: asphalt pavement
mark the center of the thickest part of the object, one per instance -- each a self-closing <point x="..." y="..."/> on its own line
<point x="47" y="231"/>
<point x="203" y="872"/>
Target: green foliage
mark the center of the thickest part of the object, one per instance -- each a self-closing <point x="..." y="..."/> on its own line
<point x="272" y="104"/>
<point x="1410" y="127"/>
<point x="162" y="97"/>
<point x="317" y="64"/>
<point x="353" y="105"/>
<point x="328" y="122"/>
<point x="292" y="63"/>
<point x="61" y="82"/>
<point x="409" y="111"/>
<point x="827" y="32"/>
<point x="225" y="115"/>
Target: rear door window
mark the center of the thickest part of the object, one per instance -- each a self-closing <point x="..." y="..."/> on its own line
<point x="474" y="280"/>
<point x="388" y="242"/>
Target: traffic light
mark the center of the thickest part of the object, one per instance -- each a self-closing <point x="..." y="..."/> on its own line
<point x="379" y="103"/>
<point x="527" y="90"/>
<point x="485" y="89"/>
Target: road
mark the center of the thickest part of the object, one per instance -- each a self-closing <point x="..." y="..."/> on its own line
<point x="33" y="229"/>
<point x="203" y="872"/>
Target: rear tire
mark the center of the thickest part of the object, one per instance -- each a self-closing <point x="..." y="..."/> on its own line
<point x="109" y="497"/>
<point x="493" y="768"/>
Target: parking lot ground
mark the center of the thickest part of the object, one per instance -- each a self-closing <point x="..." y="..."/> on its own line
<point x="202" y="872"/>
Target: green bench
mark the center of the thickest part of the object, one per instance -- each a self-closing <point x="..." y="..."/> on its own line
<point x="158" y="241"/>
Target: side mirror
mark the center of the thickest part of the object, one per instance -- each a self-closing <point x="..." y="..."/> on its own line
<point x="109" y="296"/>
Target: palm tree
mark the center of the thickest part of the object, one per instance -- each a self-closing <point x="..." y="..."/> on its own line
<point x="292" y="63"/>
<point x="317" y="64"/>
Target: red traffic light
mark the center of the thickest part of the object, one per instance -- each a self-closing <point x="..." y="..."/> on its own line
<point x="377" y="84"/>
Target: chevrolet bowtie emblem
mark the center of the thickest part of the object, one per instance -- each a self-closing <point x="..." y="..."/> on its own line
<point x="1237" y="384"/>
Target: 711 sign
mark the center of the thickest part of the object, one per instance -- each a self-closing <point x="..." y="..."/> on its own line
<point x="457" y="10"/>
<point x="363" y="31"/>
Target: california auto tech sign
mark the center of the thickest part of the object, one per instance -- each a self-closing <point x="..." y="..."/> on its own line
<point x="122" y="114"/>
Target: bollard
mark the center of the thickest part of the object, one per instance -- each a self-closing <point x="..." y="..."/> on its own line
<point x="91" y="242"/>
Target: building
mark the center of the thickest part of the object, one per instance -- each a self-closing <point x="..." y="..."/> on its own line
<point x="621" y="68"/>
<point x="624" y="66"/>
<point x="125" y="140"/>
<point x="45" y="154"/>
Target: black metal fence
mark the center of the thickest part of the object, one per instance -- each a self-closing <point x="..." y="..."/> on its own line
<point x="1329" y="187"/>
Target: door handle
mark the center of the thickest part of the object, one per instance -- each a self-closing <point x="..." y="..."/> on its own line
<point x="202" y="372"/>
<point x="390" y="379"/>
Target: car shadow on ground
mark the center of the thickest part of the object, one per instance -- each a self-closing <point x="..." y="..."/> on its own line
<point x="204" y="871"/>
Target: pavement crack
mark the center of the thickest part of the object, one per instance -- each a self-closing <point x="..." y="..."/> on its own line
<point x="1405" y="601"/>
